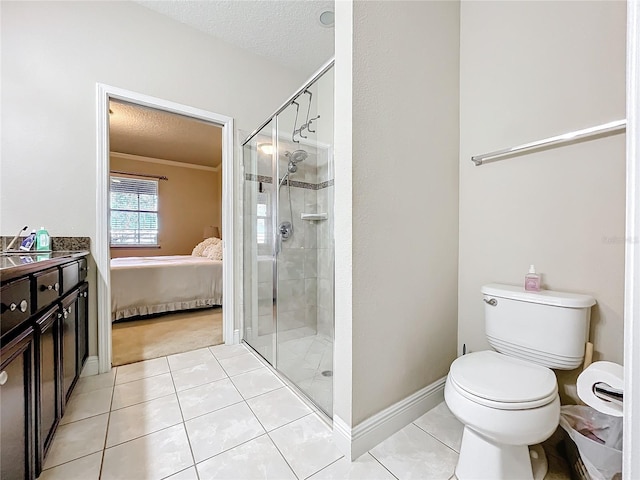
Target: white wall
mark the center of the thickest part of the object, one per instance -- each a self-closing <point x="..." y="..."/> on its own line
<point x="397" y="166"/>
<point x="530" y="70"/>
<point x="54" y="53"/>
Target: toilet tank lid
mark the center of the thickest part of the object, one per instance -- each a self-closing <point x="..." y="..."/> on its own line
<point x="546" y="297"/>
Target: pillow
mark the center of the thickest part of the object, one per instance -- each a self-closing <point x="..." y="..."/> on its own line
<point x="198" y="250"/>
<point x="213" y="252"/>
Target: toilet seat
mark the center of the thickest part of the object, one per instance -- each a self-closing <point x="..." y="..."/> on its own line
<point x="506" y="383"/>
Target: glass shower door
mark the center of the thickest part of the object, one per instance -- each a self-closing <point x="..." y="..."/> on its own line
<point x="288" y="250"/>
<point x="304" y="262"/>
<point x="258" y="250"/>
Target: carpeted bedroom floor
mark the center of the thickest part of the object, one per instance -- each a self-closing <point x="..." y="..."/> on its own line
<point x="166" y="334"/>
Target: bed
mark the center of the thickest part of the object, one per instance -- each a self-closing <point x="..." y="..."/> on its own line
<point x="148" y="285"/>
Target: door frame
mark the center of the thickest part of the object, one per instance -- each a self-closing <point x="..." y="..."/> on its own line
<point x="229" y="204"/>
<point x="631" y="440"/>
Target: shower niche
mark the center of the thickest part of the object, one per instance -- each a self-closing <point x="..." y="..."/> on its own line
<point x="288" y="249"/>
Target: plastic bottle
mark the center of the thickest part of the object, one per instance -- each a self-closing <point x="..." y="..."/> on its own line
<point x="532" y="280"/>
<point x="43" y="240"/>
<point x="28" y="241"/>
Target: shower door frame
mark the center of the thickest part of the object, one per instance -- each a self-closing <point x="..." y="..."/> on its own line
<point x="277" y="249"/>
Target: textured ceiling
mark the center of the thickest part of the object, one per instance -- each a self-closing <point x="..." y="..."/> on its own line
<point x="285" y="31"/>
<point x="154" y="133"/>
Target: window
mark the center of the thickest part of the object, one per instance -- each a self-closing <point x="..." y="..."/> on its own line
<point x="133" y="212"/>
<point x="263" y="218"/>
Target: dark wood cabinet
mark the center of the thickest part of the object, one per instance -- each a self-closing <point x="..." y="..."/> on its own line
<point x="48" y="385"/>
<point x="69" y="320"/>
<point x="44" y="347"/>
<point x="82" y="309"/>
<point x="17" y="415"/>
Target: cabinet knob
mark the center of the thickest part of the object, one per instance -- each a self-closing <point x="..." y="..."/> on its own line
<point x="4" y="376"/>
<point x="55" y="286"/>
<point x="24" y="305"/>
<point x="13" y="307"/>
<point x="65" y="312"/>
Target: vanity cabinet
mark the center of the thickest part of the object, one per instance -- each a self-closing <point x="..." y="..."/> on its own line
<point x="43" y="352"/>
<point x="17" y="415"/>
<point x="69" y="321"/>
<point x="48" y="386"/>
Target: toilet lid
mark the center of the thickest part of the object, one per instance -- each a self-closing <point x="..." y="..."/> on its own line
<point x="499" y="378"/>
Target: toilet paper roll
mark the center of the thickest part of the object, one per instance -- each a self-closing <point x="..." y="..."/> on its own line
<point x="608" y="372"/>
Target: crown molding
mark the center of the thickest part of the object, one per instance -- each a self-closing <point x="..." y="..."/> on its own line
<point x="140" y="158"/>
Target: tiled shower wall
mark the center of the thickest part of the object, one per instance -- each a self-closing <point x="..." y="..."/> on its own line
<point x="305" y="293"/>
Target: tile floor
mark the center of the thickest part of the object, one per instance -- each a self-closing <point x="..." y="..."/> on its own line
<point x="303" y="356"/>
<point x="219" y="413"/>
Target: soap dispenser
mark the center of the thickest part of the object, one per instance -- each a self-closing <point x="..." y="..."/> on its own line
<point x="43" y="240"/>
<point x="532" y="280"/>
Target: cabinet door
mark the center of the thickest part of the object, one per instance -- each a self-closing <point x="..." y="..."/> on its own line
<point x="17" y="412"/>
<point x="82" y="308"/>
<point x="47" y="382"/>
<point x="69" y="334"/>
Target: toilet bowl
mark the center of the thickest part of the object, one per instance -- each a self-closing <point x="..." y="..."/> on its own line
<point x="506" y="405"/>
<point x="508" y="399"/>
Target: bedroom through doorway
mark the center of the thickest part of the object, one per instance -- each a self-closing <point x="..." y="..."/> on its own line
<point x="165" y="230"/>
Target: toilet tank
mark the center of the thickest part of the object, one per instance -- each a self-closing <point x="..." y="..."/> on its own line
<point x="548" y="328"/>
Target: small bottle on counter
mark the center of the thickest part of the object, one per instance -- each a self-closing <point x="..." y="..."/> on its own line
<point x="532" y="280"/>
<point x="43" y="240"/>
<point x="28" y="242"/>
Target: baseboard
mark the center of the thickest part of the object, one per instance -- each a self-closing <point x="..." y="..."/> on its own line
<point x="91" y="367"/>
<point x="356" y="441"/>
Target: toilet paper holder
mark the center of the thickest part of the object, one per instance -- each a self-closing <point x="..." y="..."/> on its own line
<point x="605" y="392"/>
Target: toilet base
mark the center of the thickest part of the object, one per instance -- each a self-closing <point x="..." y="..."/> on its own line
<point x="483" y="459"/>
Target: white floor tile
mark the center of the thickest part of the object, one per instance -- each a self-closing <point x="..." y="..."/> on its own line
<point x="443" y="425"/>
<point x="189" y="359"/>
<point x="77" y="439"/>
<point x="364" y="468"/>
<point x="414" y="454"/>
<point x="95" y="382"/>
<point x="188" y="474"/>
<point x="208" y="398"/>
<point x="256" y="382"/>
<point x="143" y="418"/>
<point x="139" y="370"/>
<point x="221" y="430"/>
<point x="196" y="375"/>
<point x="240" y="364"/>
<point x="278" y="408"/>
<point x="85" y="468"/>
<point x="142" y="390"/>
<point x="87" y="404"/>
<point x="227" y="351"/>
<point x="307" y="445"/>
<point x="153" y="456"/>
<point x="257" y="459"/>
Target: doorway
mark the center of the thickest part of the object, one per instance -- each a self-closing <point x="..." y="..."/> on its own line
<point x="165" y="208"/>
<point x="111" y="99"/>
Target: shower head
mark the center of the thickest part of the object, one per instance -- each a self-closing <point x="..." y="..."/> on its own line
<point x="296" y="156"/>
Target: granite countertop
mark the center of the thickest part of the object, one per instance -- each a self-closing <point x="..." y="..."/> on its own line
<point x="18" y="264"/>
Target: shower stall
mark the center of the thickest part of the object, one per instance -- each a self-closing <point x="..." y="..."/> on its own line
<point x="288" y="245"/>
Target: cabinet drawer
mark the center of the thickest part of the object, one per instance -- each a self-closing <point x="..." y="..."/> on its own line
<point x="70" y="276"/>
<point x="47" y="287"/>
<point x="16" y="304"/>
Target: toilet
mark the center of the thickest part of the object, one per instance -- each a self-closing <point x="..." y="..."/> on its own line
<point x="507" y="399"/>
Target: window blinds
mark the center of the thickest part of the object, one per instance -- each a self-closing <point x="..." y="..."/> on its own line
<point x="134" y="211"/>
